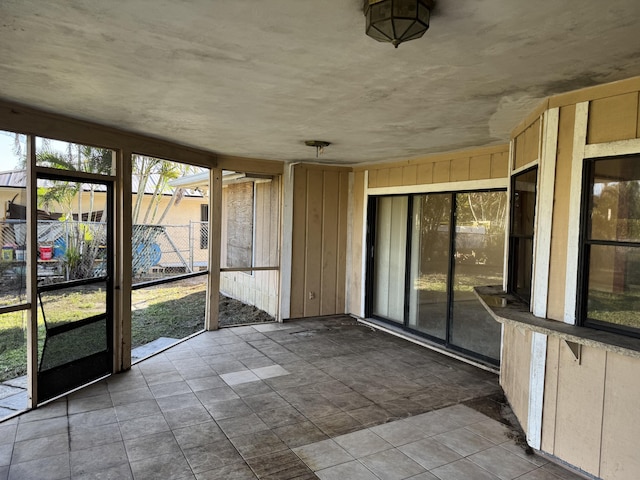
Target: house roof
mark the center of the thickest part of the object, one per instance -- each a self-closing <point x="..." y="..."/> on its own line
<point x="17" y="179"/>
<point x="200" y="181"/>
<point x="256" y="79"/>
<point x="13" y="178"/>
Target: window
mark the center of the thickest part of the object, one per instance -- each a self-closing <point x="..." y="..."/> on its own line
<point x="204" y="226"/>
<point x="610" y="250"/>
<point x="523" y="207"/>
<point x="240" y="212"/>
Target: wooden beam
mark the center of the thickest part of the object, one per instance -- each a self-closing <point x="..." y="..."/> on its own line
<point x="573" y="237"/>
<point x="544" y="214"/>
<point x="22" y="119"/>
<point x="611" y="149"/>
<point x="215" y="232"/>
<point x="250" y="165"/>
<point x="124" y="260"/>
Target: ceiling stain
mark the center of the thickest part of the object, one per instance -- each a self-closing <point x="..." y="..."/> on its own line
<point x="256" y="78"/>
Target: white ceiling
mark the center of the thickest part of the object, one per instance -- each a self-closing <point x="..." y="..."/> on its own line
<point x="257" y="78"/>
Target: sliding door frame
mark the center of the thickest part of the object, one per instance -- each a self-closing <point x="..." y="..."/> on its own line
<point x="371" y="229"/>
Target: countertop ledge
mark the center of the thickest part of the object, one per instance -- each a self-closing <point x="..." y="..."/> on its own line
<point x="508" y="310"/>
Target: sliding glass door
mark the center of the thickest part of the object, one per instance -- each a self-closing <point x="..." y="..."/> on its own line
<point x="478" y="260"/>
<point x="430" y="253"/>
<point x="427" y="253"/>
<point x="390" y="243"/>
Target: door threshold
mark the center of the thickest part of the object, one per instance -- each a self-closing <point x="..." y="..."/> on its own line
<point x="423" y="342"/>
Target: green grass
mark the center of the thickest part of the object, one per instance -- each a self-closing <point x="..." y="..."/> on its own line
<point x="618" y="309"/>
<point x="175" y="311"/>
<point x="75" y="304"/>
<point x="437" y="282"/>
<point x="169" y="311"/>
<point x="13" y="346"/>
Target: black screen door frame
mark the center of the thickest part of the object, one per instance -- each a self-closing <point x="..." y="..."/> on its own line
<point x="60" y="379"/>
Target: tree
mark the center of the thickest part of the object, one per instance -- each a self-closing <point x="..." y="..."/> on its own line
<point x="159" y="173"/>
<point x="153" y="176"/>
<point x="82" y="240"/>
<point x="151" y="183"/>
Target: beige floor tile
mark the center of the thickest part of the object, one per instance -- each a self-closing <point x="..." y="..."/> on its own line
<point x="462" y="469"/>
<point x="353" y="470"/>
<point x="464" y="441"/>
<point x="324" y="454"/>
<point x="362" y="443"/>
<point x="502" y="463"/>
<point x="392" y="465"/>
<point x="429" y="453"/>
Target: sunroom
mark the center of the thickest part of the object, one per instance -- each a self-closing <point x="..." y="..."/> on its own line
<point x="471" y="192"/>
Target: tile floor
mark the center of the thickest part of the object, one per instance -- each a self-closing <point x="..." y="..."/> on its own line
<point x="13" y="396"/>
<point x="328" y="399"/>
<point x="13" y="392"/>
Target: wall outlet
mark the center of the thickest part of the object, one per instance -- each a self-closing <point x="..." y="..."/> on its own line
<point x="312" y="295"/>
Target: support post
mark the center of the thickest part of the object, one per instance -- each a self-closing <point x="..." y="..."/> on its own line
<point x="215" y="230"/>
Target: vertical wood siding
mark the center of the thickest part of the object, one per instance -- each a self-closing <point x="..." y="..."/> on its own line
<point x="319" y="247"/>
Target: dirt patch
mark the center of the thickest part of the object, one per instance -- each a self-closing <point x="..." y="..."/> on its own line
<point x="497" y="407"/>
<point x="233" y="312"/>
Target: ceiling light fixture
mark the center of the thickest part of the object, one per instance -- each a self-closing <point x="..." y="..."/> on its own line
<point x="318" y="144"/>
<point x="397" y="21"/>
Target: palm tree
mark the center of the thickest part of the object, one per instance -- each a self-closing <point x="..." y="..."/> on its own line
<point x="83" y="241"/>
<point x="153" y="176"/>
<point x="160" y="173"/>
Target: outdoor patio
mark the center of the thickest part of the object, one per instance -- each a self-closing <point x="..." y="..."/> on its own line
<point x="328" y="399"/>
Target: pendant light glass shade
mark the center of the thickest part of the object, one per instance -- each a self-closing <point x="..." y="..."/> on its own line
<point x="397" y="21"/>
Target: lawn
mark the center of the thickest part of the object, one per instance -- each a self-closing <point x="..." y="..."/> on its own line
<point x="13" y="347"/>
<point x="620" y="309"/>
<point x="60" y="309"/>
<point x="171" y="310"/>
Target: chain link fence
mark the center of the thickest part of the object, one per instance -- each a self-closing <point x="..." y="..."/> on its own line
<point x="13" y="275"/>
<point x="70" y="250"/>
<point x="161" y="251"/>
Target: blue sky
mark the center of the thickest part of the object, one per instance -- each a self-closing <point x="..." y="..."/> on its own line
<point x="8" y="160"/>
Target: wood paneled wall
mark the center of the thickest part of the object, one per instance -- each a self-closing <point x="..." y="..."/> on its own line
<point x="477" y="164"/>
<point x="614" y="118"/>
<point x="526" y="146"/>
<point x="590" y="409"/>
<point x="560" y="230"/>
<point x="611" y="118"/>
<point x="319" y="243"/>
<point x="514" y="374"/>
<point x="356" y="278"/>
<point x="587" y="403"/>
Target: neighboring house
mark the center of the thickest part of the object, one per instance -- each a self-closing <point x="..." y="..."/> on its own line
<point x="180" y="247"/>
<point x="12" y="191"/>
